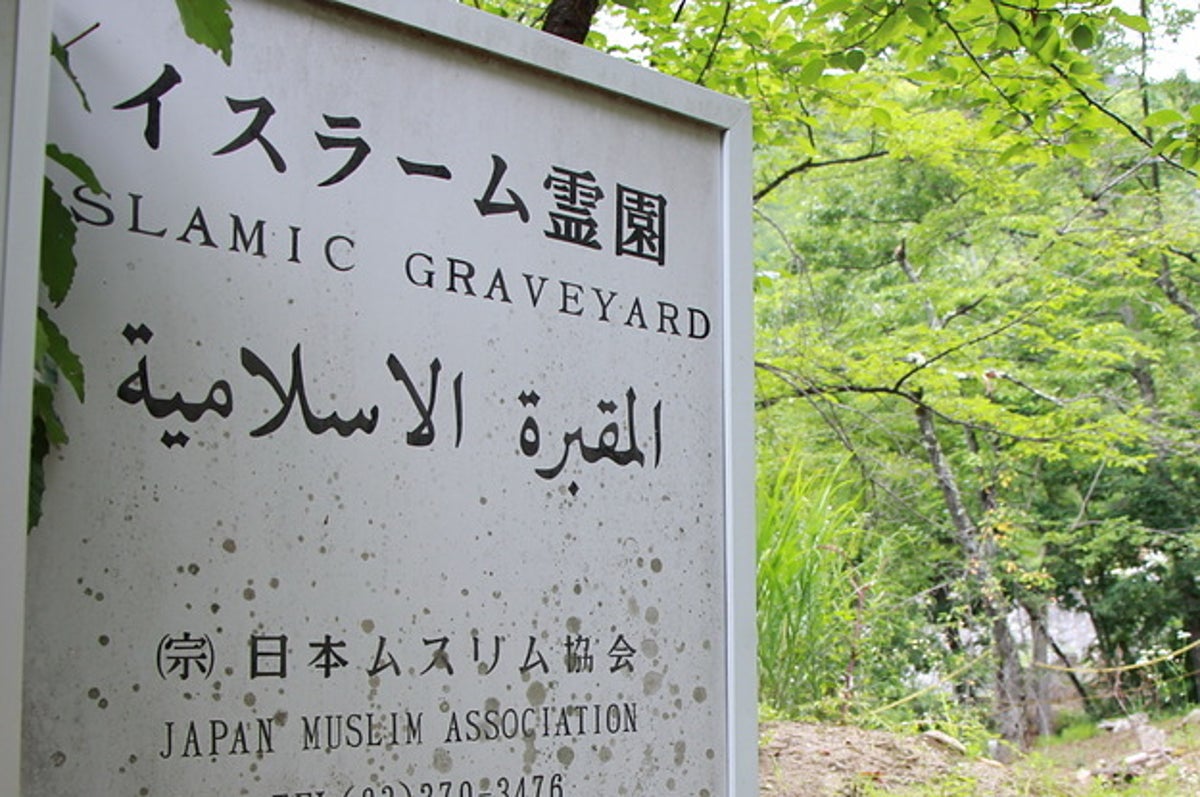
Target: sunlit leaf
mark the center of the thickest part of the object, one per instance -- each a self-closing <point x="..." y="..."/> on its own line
<point x="812" y="71"/>
<point x="1163" y="117"/>
<point x="208" y="22"/>
<point x="1131" y="21"/>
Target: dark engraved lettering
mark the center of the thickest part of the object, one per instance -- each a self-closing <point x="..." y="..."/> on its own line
<point x="424" y="432"/>
<point x="197" y="224"/>
<point x="359" y="148"/>
<point x="604" y="303"/>
<point x="168" y="79"/>
<point x="242" y="241"/>
<point x="487" y="204"/>
<point x="498" y="283"/>
<point x="426" y="280"/>
<point x="460" y="271"/>
<point x="334" y="264"/>
<point x="106" y="214"/>
<point x="570" y="298"/>
<point x="263" y="111"/>
<point x="328" y="732"/>
<point x="435" y="170"/>
<point x="135" y="224"/>
<point x="295" y="393"/>
<point x="635" y="311"/>
<point x="135" y="389"/>
<point x="534" y="295"/>
<point x="294" y="257"/>
<point x="218" y="737"/>
<point x="667" y="315"/>
<point x="575" y="719"/>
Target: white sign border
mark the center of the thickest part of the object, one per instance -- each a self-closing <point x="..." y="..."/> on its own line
<point x="24" y="92"/>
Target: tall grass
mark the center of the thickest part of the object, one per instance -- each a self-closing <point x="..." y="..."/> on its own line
<point x="809" y="589"/>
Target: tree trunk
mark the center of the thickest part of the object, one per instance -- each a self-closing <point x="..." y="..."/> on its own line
<point x="1039" y="677"/>
<point x="1011" y="697"/>
<point x="1010" y="712"/>
<point x="570" y="19"/>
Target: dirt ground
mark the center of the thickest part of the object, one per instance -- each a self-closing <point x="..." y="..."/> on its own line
<point x="806" y="760"/>
<point x="809" y="760"/>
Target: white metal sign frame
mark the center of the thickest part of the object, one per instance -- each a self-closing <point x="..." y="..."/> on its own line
<point x="24" y="71"/>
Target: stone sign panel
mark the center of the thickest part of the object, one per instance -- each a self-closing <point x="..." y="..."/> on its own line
<point x="404" y="467"/>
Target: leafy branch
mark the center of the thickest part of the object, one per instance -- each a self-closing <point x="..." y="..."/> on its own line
<point x="206" y="22"/>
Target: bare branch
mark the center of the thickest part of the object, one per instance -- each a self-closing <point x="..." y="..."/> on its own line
<point x="720" y="34"/>
<point x="812" y="164"/>
<point x="1044" y="396"/>
<point x="1104" y="109"/>
<point x="961" y="310"/>
<point x="1176" y="296"/>
<point x="915" y="398"/>
<point x="925" y="363"/>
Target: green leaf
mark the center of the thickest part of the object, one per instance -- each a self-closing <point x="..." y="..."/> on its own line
<point x="855" y="59"/>
<point x="831" y="7"/>
<point x="39" y="447"/>
<point x="1165" y="116"/>
<point x="1194" y="113"/>
<point x="43" y="410"/>
<point x="1131" y="21"/>
<point x="1164" y="144"/>
<point x="812" y="71"/>
<point x="76" y="166"/>
<point x="1006" y="37"/>
<point x="1041" y="36"/>
<point x="209" y="23"/>
<point x="798" y="49"/>
<point x="1052" y="48"/>
<point x="919" y="14"/>
<point x="46" y="430"/>
<point x="60" y="54"/>
<point x="58" y="348"/>
<point x="1020" y="148"/>
<point x="58" y="245"/>
<point x="1078" y="147"/>
<point x="1083" y="37"/>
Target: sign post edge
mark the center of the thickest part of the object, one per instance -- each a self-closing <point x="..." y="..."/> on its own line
<point x="742" y="686"/>
<point x="24" y="95"/>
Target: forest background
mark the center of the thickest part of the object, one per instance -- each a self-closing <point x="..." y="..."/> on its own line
<point x="977" y="286"/>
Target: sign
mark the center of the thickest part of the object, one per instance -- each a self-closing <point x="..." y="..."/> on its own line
<point x="405" y="466"/>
